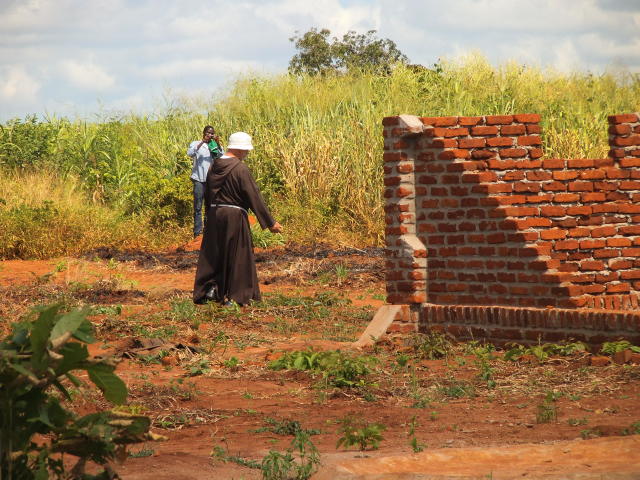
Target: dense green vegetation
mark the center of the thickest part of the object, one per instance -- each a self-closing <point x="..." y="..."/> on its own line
<point x="125" y="180"/>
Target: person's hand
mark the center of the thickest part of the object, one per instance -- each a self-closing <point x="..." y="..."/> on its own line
<point x="276" y="228"/>
<point x="217" y="139"/>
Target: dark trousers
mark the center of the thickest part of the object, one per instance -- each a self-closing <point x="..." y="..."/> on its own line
<point x="198" y="198"/>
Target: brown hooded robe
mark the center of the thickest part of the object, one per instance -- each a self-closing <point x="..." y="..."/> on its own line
<point x="226" y="254"/>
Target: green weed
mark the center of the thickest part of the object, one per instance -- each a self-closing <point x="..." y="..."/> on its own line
<point x="356" y="432"/>
<point x="547" y="411"/>
<point x="338" y="369"/>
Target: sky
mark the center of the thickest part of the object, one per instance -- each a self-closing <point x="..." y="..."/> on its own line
<point x="83" y="58"/>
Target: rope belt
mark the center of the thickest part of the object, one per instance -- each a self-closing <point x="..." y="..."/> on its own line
<point x="216" y="205"/>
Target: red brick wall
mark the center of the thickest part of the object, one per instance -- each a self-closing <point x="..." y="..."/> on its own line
<point x="476" y="216"/>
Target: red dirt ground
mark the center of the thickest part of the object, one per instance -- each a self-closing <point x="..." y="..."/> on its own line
<point x="224" y="406"/>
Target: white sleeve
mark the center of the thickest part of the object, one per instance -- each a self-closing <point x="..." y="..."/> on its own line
<point x="191" y="151"/>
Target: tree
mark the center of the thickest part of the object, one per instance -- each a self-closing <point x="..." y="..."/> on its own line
<point x="356" y="51"/>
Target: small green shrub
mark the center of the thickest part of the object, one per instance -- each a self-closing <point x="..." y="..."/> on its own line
<point x="356" y="432"/>
<point x="300" y="461"/>
<point x="338" y="369"/>
<point x="544" y="351"/>
<point x="609" y="348"/>
<point x="431" y="346"/>
<point x="547" y="411"/>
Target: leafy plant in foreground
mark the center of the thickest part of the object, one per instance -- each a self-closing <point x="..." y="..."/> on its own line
<point x="41" y="354"/>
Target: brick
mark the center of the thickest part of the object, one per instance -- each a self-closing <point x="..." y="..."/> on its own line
<point x="499" y="142"/>
<point x="618" y="242"/>
<point x="498" y="119"/>
<point x="392" y="156"/>
<point x="483" y="154"/>
<point x="623" y="118"/>
<point x="630" y="230"/>
<point x="565" y="175"/>
<point x="539" y="175"/>
<point x="527" y="118"/>
<point x="513" y="130"/>
<point x="606" y="253"/>
<point x="599" y="361"/>
<point x="450" y="132"/>
<point x="552" y="211"/>
<point x="603" y="232"/>
<point x="620" y="129"/>
<point x="618" y="288"/>
<point x="443" y="143"/>
<point x="391" y="181"/>
<point x="535" y="152"/>
<point x="630" y="275"/>
<point x="529" y="140"/>
<point x="521" y="211"/>
<point x="592" y="197"/>
<point x="533" y="222"/>
<point x="501" y="164"/>
<point x="603" y="162"/>
<point x="444" y="121"/>
<point x="579" y="232"/>
<point x="554" y="187"/>
<point x="405" y="168"/>
<point x="472" y="142"/>
<point x="629" y="141"/>
<point x="469" y="121"/>
<point x="567" y="245"/>
<point x="390" y="121"/>
<point x="553" y="163"/>
<point x="531" y="128"/>
<point x="596" y="174"/>
<point x="580" y="163"/>
<point x="479" y="177"/>
<point x="452" y="154"/>
<point x="580" y="186"/>
<point x="589" y="244"/>
<point x="526" y="187"/>
<point x="402" y="191"/>
<point x="553" y="234"/>
<point x="629" y="185"/>
<point x="629" y="162"/>
<point x="621" y="264"/>
<point x="580" y="210"/>
<point x="627" y="208"/>
<point x="592" y="265"/>
<point x="513" y="153"/>
<point x="515" y="175"/>
<point x="484" y="130"/>
<point x="631" y="252"/>
<point x="566" y="197"/>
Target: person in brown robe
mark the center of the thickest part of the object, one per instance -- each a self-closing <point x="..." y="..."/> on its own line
<point x="226" y="266"/>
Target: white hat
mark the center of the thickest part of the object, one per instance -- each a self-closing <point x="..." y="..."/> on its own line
<point x="240" y="141"/>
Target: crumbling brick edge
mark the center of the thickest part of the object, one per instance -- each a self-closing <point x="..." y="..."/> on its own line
<point x="501" y="325"/>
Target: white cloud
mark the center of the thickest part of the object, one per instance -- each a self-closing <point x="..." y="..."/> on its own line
<point x="87" y="75"/>
<point x="69" y="52"/>
<point x="17" y="84"/>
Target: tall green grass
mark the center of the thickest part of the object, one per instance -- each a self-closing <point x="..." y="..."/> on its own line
<point x="318" y="139"/>
<point x="43" y="215"/>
